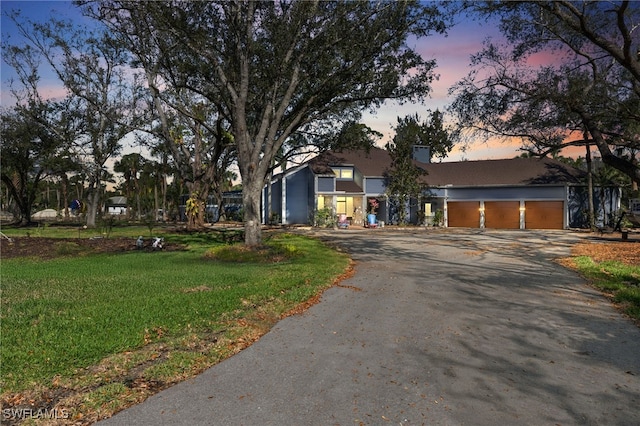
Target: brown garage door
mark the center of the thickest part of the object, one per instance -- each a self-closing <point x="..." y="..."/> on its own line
<point x="502" y="214"/>
<point x="544" y="214"/>
<point x="464" y="214"/>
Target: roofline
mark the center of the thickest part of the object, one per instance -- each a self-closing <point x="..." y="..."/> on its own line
<point x="507" y="185"/>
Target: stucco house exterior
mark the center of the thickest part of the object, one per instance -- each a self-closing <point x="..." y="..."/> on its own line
<point x="518" y="193"/>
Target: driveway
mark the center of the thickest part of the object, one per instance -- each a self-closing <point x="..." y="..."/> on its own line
<point x="436" y="327"/>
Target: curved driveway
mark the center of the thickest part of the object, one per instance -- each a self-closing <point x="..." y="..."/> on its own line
<point x="444" y="327"/>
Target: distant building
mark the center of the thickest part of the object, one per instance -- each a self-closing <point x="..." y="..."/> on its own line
<point x="116" y="206"/>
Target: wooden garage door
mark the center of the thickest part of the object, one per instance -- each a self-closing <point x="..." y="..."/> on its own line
<point x="502" y="214"/>
<point x="465" y="214"/>
<point x="544" y="214"/>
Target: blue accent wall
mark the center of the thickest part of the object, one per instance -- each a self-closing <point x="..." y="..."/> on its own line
<point x="326" y="184"/>
<point x="375" y="186"/>
<point x="505" y="193"/>
<point x="276" y="200"/>
<point x="297" y="198"/>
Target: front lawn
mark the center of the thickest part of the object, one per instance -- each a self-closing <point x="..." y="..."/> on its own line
<point x="92" y="334"/>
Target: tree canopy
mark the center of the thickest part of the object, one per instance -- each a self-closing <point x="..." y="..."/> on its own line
<point x="27" y="152"/>
<point x="569" y="75"/>
<point x="270" y="69"/>
<point x="93" y="70"/>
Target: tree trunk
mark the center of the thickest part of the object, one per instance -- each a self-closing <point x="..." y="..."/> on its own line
<point x="270" y="196"/>
<point x="156" y="202"/>
<point x="24" y="195"/>
<point x="65" y="194"/>
<point x="592" y="219"/>
<point x="93" y="198"/>
<point x="92" y="207"/>
<point x="251" y="195"/>
<point x="164" y="198"/>
<point x="136" y="184"/>
<point x="196" y="214"/>
<point x="219" y="201"/>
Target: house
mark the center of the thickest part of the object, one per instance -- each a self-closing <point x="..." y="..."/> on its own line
<point x="116" y="206"/>
<point x="518" y="193"/>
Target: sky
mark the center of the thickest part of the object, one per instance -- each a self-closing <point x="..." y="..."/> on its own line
<point x="452" y="54"/>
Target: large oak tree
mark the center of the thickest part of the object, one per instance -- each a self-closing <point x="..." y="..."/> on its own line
<point x="272" y="68"/>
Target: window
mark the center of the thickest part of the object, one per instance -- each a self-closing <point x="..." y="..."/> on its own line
<point x="343" y="173"/>
<point x="344" y="205"/>
<point x="324" y="202"/>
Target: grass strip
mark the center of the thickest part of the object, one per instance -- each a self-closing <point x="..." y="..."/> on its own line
<point x="618" y="281"/>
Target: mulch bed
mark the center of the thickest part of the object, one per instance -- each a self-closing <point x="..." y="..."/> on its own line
<point x="599" y="249"/>
<point x="610" y="248"/>
<point x="49" y="248"/>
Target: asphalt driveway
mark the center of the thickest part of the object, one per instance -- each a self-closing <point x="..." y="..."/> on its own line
<point x="438" y="328"/>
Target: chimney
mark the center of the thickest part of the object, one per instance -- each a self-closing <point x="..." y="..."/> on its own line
<point x="421" y="153"/>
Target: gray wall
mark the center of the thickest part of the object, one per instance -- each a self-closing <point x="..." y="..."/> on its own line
<point x="375" y="186"/>
<point x="297" y="198"/>
<point x="326" y="184"/>
<point x="504" y="193"/>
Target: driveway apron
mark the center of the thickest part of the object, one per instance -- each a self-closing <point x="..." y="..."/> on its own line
<point x="450" y="327"/>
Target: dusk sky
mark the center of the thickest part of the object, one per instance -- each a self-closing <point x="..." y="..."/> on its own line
<point x="452" y="54"/>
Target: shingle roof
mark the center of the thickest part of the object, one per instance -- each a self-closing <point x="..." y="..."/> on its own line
<point x="116" y="201"/>
<point x="348" y="186"/>
<point x="370" y="164"/>
<point x="515" y="171"/>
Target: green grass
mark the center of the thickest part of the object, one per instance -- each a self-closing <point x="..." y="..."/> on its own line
<point x="620" y="281"/>
<point x="66" y="314"/>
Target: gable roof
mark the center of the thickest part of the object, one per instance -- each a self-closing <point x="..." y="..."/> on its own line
<point x="371" y="164"/>
<point x="515" y="171"/>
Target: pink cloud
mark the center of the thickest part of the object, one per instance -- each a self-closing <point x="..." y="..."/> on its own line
<point x="542" y="59"/>
<point x="485" y="150"/>
<point x="47" y="92"/>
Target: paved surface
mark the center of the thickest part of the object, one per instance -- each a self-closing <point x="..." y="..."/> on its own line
<point x="441" y="328"/>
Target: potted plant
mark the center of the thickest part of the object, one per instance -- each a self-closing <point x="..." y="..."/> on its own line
<point x="372" y="210"/>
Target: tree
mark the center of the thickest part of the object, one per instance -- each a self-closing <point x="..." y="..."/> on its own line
<point x="405" y="179"/>
<point x="27" y="148"/>
<point x="588" y="93"/>
<point x="606" y="177"/>
<point x="184" y="123"/>
<point x="130" y="166"/>
<point x="38" y="134"/>
<point x="272" y="68"/>
<point x="92" y="69"/>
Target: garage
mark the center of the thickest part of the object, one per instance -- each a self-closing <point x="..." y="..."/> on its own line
<point x="544" y="215"/>
<point x="463" y="214"/>
<point x="502" y="214"/>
